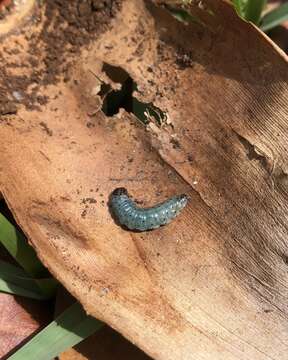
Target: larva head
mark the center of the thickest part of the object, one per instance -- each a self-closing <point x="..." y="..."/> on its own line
<point x="120" y="191"/>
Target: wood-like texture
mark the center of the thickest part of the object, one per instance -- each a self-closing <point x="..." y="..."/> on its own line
<point x="212" y="284"/>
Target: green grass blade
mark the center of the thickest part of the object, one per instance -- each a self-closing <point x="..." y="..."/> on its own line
<point x="71" y="327"/>
<point x="274" y="17"/>
<point x="253" y="10"/>
<point x="7" y="287"/>
<point x="183" y="15"/>
<point x="9" y="269"/>
<point x="17" y="276"/>
<point x="45" y="288"/>
<point x="240" y="7"/>
<point x="17" y="246"/>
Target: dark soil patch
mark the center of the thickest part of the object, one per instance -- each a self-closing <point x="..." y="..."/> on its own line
<point x="5" y="7"/>
<point x="184" y="59"/>
<point x="68" y="25"/>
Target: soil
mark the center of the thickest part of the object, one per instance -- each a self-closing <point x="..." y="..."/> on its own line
<point x="67" y="26"/>
<point x="5" y="7"/>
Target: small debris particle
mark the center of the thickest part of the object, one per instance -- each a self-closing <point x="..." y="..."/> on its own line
<point x="184" y="59"/>
<point x="65" y="198"/>
<point x="104" y="291"/>
<point x="42" y="99"/>
<point x="89" y="200"/>
<point x="175" y="143"/>
<point x="190" y="158"/>
<point x="17" y="95"/>
<point x="90" y="125"/>
<point x="44" y="126"/>
<point x="140" y="202"/>
<point x="84" y="213"/>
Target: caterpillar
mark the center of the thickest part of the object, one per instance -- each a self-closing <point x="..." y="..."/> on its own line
<point x="135" y="218"/>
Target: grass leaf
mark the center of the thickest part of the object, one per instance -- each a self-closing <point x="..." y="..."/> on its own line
<point x="253" y="10"/>
<point x="12" y="275"/>
<point x="71" y="327"/>
<point x="18" y="247"/>
<point x="183" y="15"/>
<point x="47" y="286"/>
<point x="10" y="288"/>
<point x="240" y="7"/>
<point x="274" y="17"/>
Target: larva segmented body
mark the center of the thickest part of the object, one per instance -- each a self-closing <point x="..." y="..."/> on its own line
<point x="135" y="218"/>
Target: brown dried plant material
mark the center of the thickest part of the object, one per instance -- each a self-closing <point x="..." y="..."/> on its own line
<point x="212" y="284"/>
<point x="13" y="14"/>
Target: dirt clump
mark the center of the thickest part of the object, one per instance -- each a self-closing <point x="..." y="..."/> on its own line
<point x="66" y="26"/>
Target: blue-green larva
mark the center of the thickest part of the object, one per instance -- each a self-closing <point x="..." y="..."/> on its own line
<point x="135" y="218"/>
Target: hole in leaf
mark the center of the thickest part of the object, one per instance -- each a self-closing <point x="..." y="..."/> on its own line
<point x="114" y="100"/>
